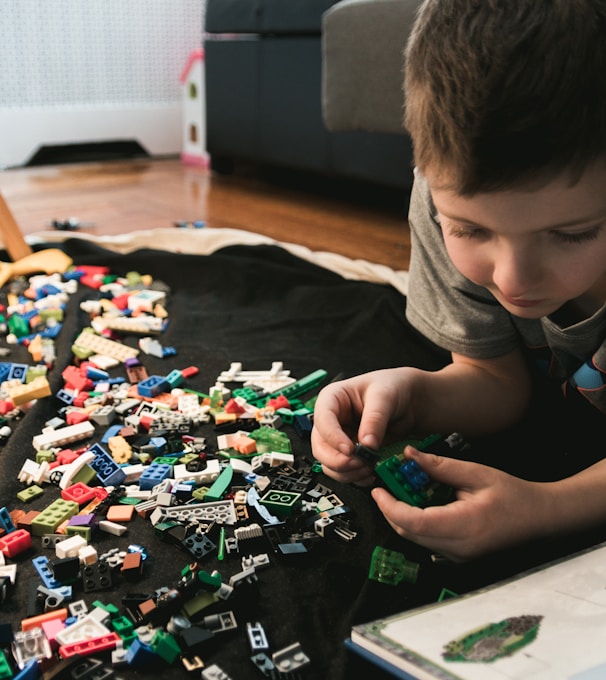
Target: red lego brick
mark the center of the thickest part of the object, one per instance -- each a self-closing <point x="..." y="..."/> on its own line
<point x="79" y="492"/>
<point x="15" y="542"/>
<point x="91" y="646"/>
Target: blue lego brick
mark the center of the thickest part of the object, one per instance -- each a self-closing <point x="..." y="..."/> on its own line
<point x="42" y="566"/>
<point x="159" y="443"/>
<point x="31" y="671"/>
<point x="174" y="378"/>
<point x="141" y="654"/>
<point x="52" y="331"/>
<point x="18" y="372"/>
<point x="6" y="522"/>
<point x="109" y="473"/>
<point x="65" y="396"/>
<point x="49" y="289"/>
<point x="416" y="477"/>
<point x="111" y="431"/>
<point x="5" y="369"/>
<point x="95" y="373"/>
<point x="154" y="474"/>
<point x="152" y="386"/>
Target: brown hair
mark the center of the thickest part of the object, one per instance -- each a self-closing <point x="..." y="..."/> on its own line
<point x="504" y="92"/>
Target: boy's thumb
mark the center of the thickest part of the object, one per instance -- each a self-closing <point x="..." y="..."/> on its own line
<point x="450" y="471"/>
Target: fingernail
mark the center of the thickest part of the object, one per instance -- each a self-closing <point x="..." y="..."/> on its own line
<point x="370" y="441"/>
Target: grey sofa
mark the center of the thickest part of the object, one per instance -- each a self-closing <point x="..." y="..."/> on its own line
<point x="280" y="75"/>
<point x="363" y="44"/>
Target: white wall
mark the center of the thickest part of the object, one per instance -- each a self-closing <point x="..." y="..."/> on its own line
<point x="77" y="71"/>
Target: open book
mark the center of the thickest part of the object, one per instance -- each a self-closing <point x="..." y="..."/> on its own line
<point x="545" y="624"/>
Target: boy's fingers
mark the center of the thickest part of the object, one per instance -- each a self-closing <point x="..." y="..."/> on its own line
<point x="459" y="474"/>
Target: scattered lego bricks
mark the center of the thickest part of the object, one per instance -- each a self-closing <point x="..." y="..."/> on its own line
<point x="213" y="473"/>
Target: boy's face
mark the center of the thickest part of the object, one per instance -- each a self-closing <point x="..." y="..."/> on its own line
<point x="533" y="250"/>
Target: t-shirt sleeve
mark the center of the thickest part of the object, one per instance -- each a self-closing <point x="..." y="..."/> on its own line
<point x="442" y="304"/>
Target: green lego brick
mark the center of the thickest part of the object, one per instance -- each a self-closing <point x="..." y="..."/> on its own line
<point x="220" y="486"/>
<point x="270" y="440"/>
<point x="391" y="567"/>
<point x="52" y="516"/>
<point x="166" y="460"/>
<point x="85" y="474"/>
<point x="200" y="493"/>
<point x="281" y="503"/>
<point x="295" y="389"/>
<point x="31" y="492"/>
<point x="5" y="669"/>
<point x="165" y="646"/>
<point x="44" y="456"/>
<point x="187" y="458"/>
<point x="388" y="470"/>
<point x="34" y="372"/>
<point x="85" y="532"/>
<point x="123" y="626"/>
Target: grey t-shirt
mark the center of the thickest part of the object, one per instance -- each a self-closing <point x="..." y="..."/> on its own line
<point x="465" y="318"/>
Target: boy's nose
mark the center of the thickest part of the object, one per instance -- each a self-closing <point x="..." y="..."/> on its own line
<point x="517" y="271"/>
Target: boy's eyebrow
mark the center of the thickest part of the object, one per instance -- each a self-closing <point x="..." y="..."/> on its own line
<point x="559" y="225"/>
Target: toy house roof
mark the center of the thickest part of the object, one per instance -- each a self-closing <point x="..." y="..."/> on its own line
<point x="195" y="56"/>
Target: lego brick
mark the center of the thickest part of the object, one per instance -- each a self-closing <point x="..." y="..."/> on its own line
<point x="96" y="645"/>
<point x="62" y="436"/>
<point x="52" y="516"/>
<point x="107" y="470"/>
<point x="15" y="542"/>
<point x="152" y="386"/>
<point x="95" y="344"/>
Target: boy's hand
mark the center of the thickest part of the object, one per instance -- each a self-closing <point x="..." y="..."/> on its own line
<point x="493" y="509"/>
<point x="357" y="410"/>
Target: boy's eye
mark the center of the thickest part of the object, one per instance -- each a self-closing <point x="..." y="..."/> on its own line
<point x="459" y="231"/>
<point x="578" y="237"/>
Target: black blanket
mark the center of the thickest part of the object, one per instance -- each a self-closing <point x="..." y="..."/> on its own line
<point x="257" y="305"/>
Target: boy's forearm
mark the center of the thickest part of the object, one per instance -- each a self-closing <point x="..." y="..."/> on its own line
<point x="577" y="502"/>
<point x="465" y="397"/>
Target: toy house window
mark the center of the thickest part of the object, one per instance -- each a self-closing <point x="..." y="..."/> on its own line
<point x="193" y="133"/>
<point x="193" y="91"/>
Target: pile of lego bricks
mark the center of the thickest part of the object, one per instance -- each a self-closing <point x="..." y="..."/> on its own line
<point x="160" y="505"/>
<point x="171" y="562"/>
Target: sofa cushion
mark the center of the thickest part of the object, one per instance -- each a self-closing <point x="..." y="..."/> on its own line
<point x="265" y="16"/>
<point x="363" y="44"/>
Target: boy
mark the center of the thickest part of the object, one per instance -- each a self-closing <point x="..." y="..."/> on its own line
<point x="506" y="107"/>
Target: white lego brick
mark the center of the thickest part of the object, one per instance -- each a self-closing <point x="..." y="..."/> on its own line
<point x="88" y="555"/>
<point x="86" y="628"/>
<point x="71" y="470"/>
<point x="241" y="466"/>
<point x="103" y="362"/>
<point x="9" y="570"/>
<point x="32" y="472"/>
<point x="69" y="547"/>
<point x="209" y="474"/>
<point x="133" y="490"/>
<point x="49" y="438"/>
<point x="112" y="527"/>
<point x="146" y="299"/>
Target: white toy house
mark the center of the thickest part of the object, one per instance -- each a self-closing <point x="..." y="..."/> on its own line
<point x="194" y="111"/>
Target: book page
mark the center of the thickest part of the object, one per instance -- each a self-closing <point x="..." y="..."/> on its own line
<point x="546" y="625"/>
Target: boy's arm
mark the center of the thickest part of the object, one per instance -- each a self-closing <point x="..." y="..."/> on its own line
<point x="472" y="396"/>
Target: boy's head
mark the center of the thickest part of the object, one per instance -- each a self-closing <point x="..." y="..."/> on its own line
<point x="506" y="93"/>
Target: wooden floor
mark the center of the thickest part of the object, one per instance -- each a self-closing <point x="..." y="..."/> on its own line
<point x="359" y="220"/>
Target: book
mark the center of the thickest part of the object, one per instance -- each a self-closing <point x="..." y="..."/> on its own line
<point x="548" y="623"/>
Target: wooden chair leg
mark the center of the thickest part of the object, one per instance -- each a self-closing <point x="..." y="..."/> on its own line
<point x="11" y="235"/>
